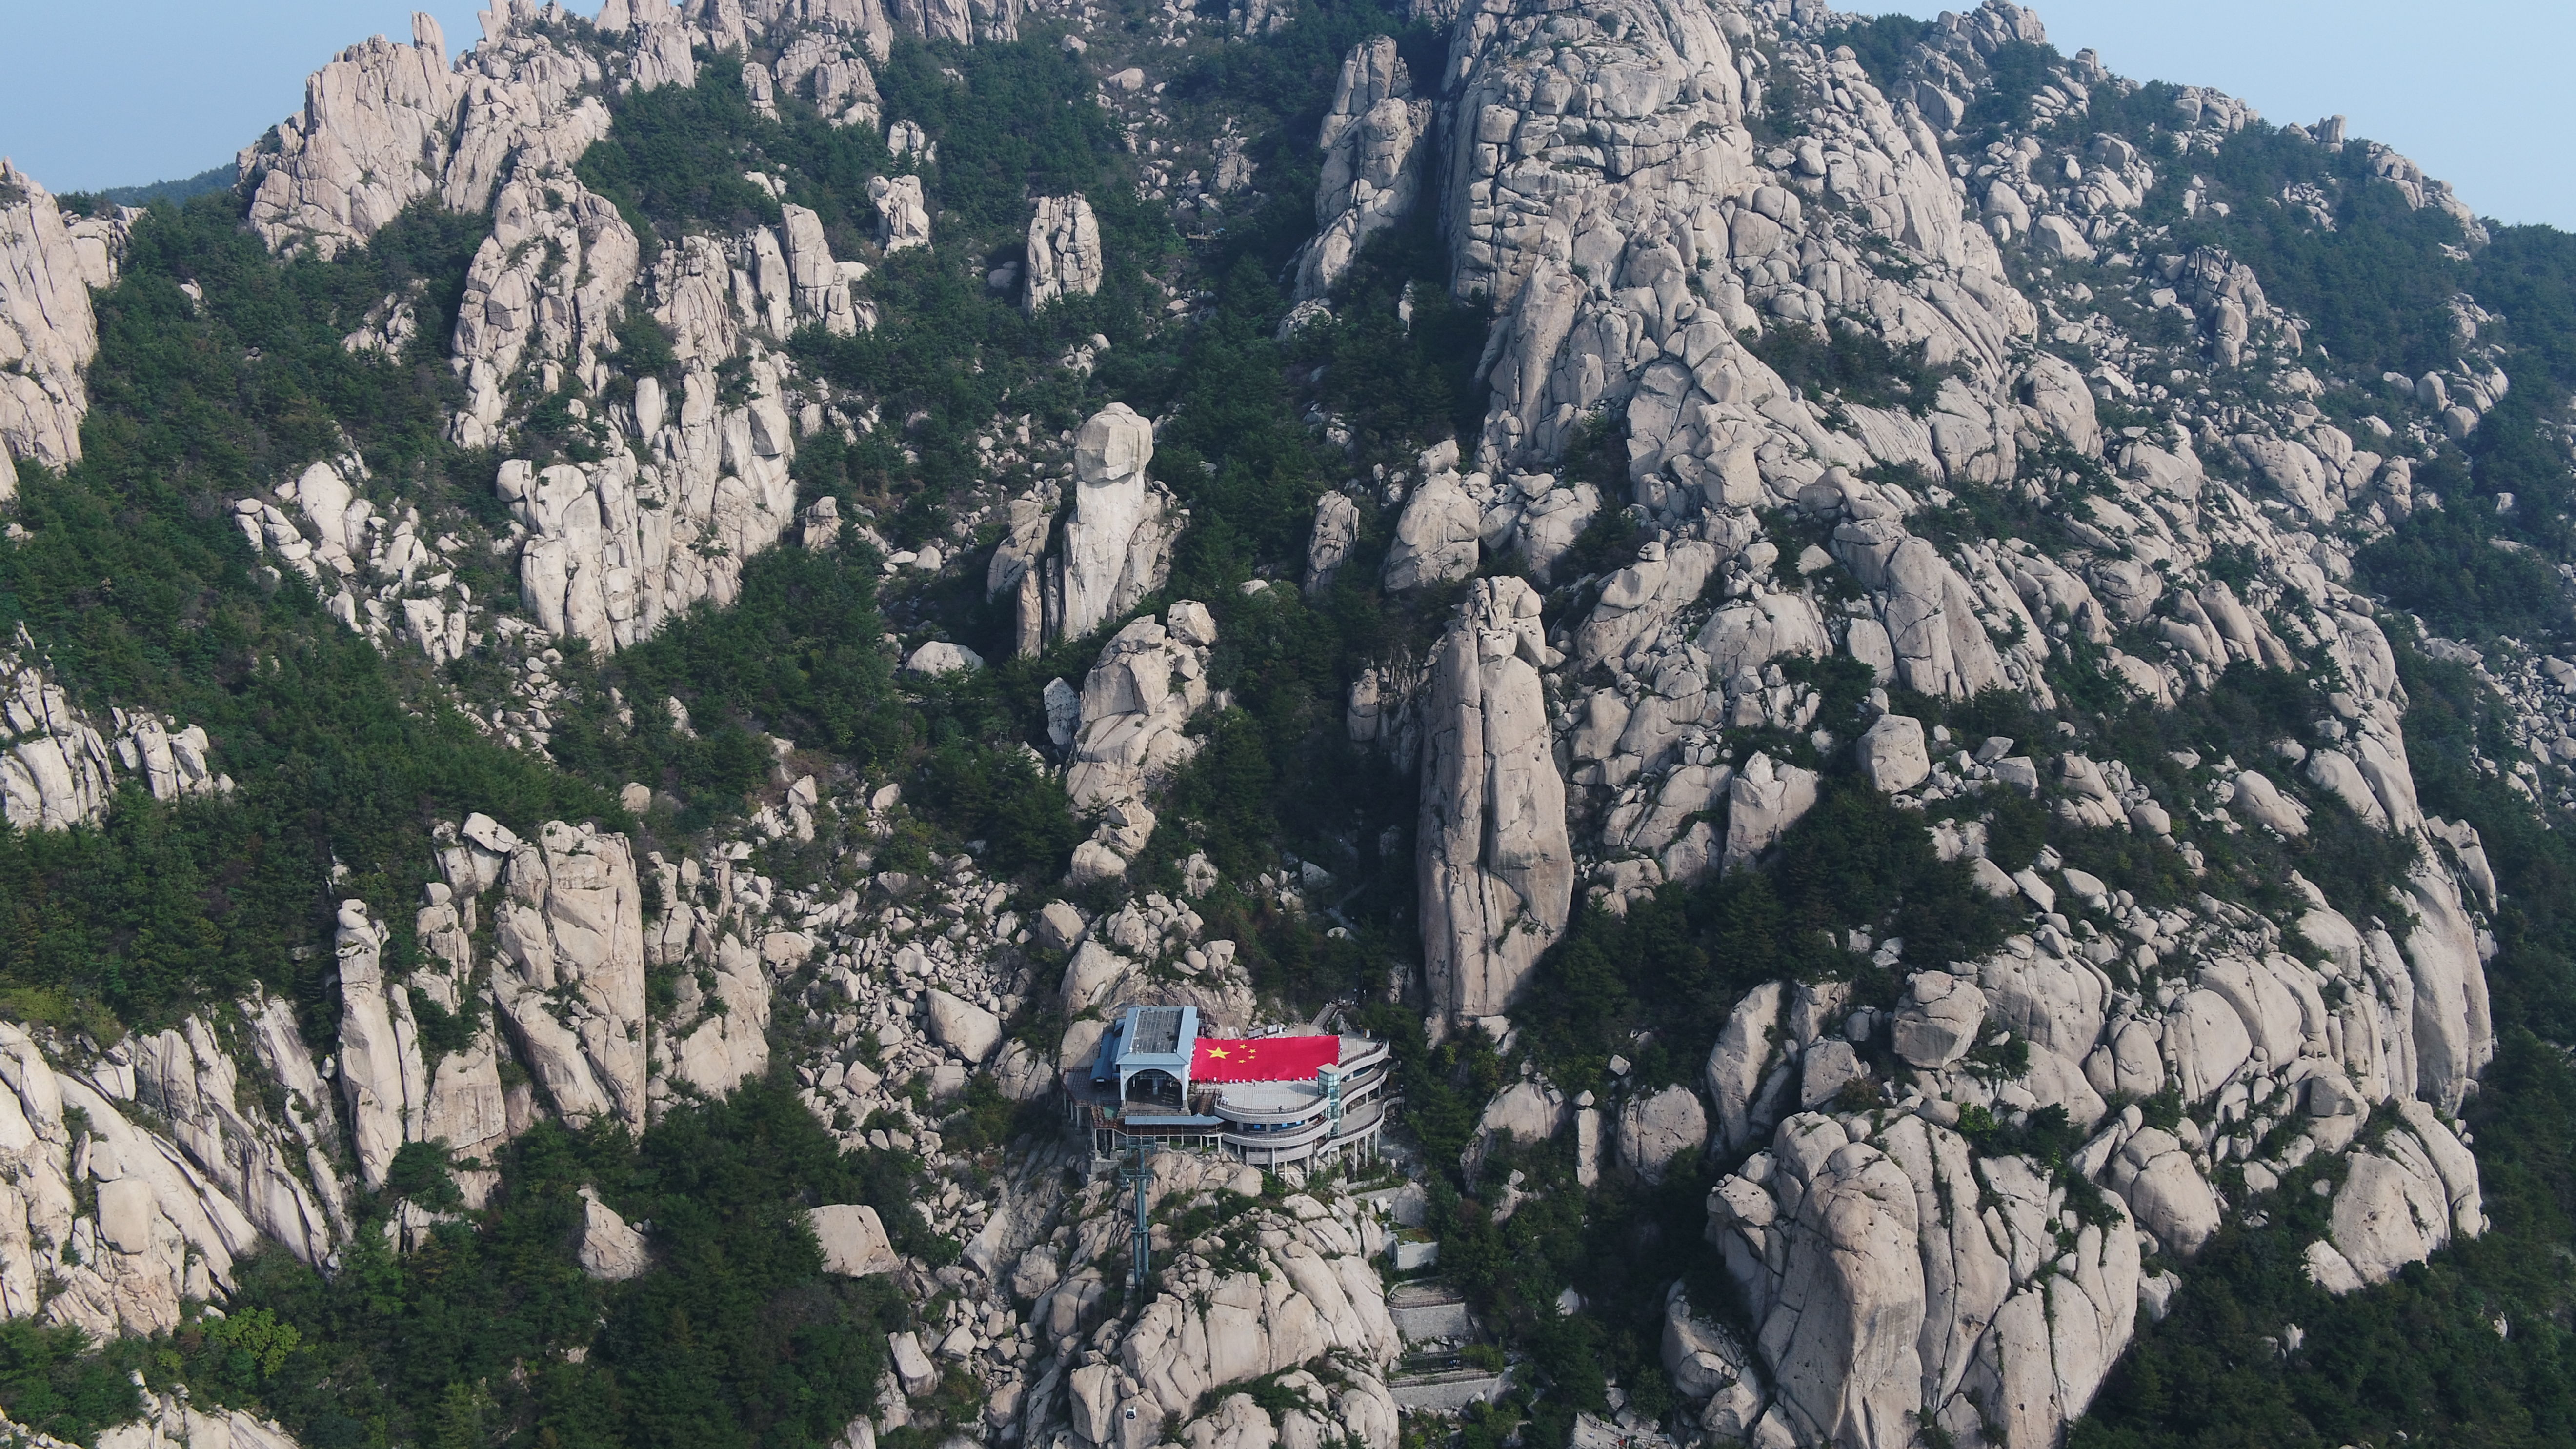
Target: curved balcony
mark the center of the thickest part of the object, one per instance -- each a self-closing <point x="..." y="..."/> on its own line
<point x="1284" y="1149"/>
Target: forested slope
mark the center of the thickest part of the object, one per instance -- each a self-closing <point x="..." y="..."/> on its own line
<point x="1927" y="689"/>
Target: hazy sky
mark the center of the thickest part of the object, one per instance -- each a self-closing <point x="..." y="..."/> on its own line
<point x="121" y="92"/>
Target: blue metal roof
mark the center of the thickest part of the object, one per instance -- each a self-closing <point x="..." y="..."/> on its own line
<point x="1158" y="1037"/>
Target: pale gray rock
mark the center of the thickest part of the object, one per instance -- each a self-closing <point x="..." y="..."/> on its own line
<point x="1930" y="613"/>
<point x="1372" y="142"/>
<point x="819" y="286"/>
<point x="1016" y="563"/>
<point x="962" y="1026"/>
<point x="381" y="1074"/>
<point x="715" y="1041"/>
<point x="1063" y="258"/>
<point x="1337" y="529"/>
<point x="1763" y="802"/>
<point x="376" y="133"/>
<point x="544" y="289"/>
<point x="1549" y="523"/>
<point x="1058" y="926"/>
<point x="2057" y="237"/>
<point x="853" y="1239"/>
<point x="1891" y="754"/>
<point x="47" y="332"/>
<point x="1438" y="536"/>
<point x="1747" y="634"/>
<point x="939" y="657"/>
<point x="2390" y="1211"/>
<point x="611" y="1249"/>
<point x="2296" y="470"/>
<point x="1496" y="870"/>
<point x="259" y="1161"/>
<point x="1117" y="549"/>
<point x="1940" y="1019"/>
<point x="1824" y="1070"/>
<point x="1656" y="1130"/>
<point x="1637" y="601"/>
<point x="2206" y="1040"/>
<point x="1135" y="705"/>
<point x="569" y="980"/>
<point x="174" y="1421"/>
<point x="2057" y="393"/>
<point x="912" y="1367"/>
<point x="1245" y="1327"/>
<point x="1704" y="1358"/>
<point x="1528" y="1111"/>
<point x="2258" y="801"/>
<point x="617" y="547"/>
<point x="2454" y="1029"/>
<point x="1739" y="1064"/>
<point x="903" y="217"/>
<point x="1841" y="1301"/>
<point x="58" y="768"/>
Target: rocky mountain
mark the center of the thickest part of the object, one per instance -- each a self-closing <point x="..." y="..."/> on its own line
<point x="1925" y="688"/>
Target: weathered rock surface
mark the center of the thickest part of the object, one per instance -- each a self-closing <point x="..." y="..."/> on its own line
<point x="379" y="130"/>
<point x="1219" y="1326"/>
<point x="1117" y="547"/>
<point x="616" y="547"/>
<point x="1337" y="528"/>
<point x="1439" y="535"/>
<point x="1892" y="754"/>
<point x="1764" y="801"/>
<point x="853" y="1239"/>
<point x="48" y="264"/>
<point x="1372" y="142"/>
<point x="962" y="1026"/>
<point x="545" y="289"/>
<point x="1874" y="1304"/>
<point x="1151" y="678"/>
<point x="59" y="769"/>
<point x="172" y="1421"/>
<point x="1655" y="1131"/>
<point x="610" y="1248"/>
<point x="570" y="979"/>
<point x="168" y="1219"/>
<point x="263" y="1164"/>
<point x="903" y="217"/>
<point x="1064" y="251"/>
<point x="1496" y="871"/>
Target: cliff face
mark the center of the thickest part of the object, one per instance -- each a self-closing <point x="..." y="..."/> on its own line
<point x="1604" y="188"/>
<point x="48" y="264"/>
<point x="1829" y="415"/>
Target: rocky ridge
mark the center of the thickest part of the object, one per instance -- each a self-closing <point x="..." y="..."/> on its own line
<point x="49" y="263"/>
<point x="1608" y="187"/>
<point x="1660" y="238"/>
<point x="60" y="769"/>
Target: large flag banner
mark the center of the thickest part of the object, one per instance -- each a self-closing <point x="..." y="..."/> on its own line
<point x="1263" y="1059"/>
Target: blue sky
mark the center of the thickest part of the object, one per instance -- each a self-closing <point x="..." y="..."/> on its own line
<point x="120" y="92"/>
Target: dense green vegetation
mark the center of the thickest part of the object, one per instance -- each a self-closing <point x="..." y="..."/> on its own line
<point x="1657" y="983"/>
<point x="137" y="584"/>
<point x="1845" y="364"/>
<point x="1881" y="42"/>
<point x="2473" y="1347"/>
<point x="798" y="652"/>
<point x="51" y="1381"/>
<point x="488" y="1331"/>
<point x="134" y="582"/>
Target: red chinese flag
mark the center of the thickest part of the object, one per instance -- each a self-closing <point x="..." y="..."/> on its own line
<point x="1263" y="1059"/>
